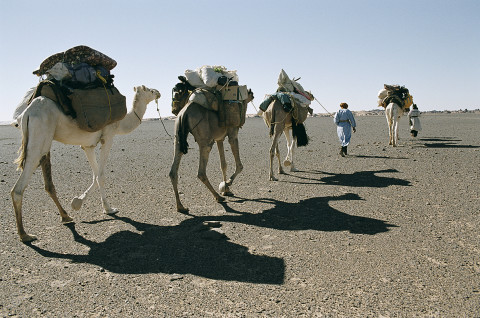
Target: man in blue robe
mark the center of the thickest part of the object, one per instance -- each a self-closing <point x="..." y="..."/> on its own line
<point x="345" y="123"/>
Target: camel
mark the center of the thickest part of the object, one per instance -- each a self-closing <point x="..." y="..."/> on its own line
<point x="396" y="100"/>
<point x="279" y="121"/>
<point x="41" y="122"/>
<point x="393" y="112"/>
<point x="204" y="125"/>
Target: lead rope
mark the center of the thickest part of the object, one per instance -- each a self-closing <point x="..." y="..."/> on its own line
<point x="104" y="81"/>
<point x="161" y="119"/>
<point x="323" y="107"/>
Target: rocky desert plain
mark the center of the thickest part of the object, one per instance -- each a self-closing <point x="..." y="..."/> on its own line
<point x="383" y="232"/>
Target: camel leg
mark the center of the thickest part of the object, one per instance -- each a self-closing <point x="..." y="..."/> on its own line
<point x="234" y="145"/>
<point x="98" y="170"/>
<point x="223" y="166"/>
<point x="280" y="167"/>
<point x="390" y="126"/>
<point x="104" y="152"/>
<point x="50" y="188"/>
<point x="395" y="129"/>
<point x="290" y="149"/>
<point x="78" y="201"/>
<point x="174" y="177"/>
<point x="275" y="151"/>
<point x="202" y="171"/>
<point x="17" y="196"/>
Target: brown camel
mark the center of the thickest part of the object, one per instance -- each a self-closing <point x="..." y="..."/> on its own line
<point x="204" y="125"/>
<point x="279" y="121"/>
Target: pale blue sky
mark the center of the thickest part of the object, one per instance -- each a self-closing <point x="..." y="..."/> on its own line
<point x="344" y="51"/>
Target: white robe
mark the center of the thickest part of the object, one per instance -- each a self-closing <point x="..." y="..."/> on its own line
<point x="413" y="119"/>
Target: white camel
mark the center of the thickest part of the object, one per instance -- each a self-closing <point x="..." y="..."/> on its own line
<point x="41" y="122"/>
<point x="393" y="112"/>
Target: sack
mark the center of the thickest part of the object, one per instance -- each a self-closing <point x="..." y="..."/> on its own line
<point x="299" y="113"/>
<point x="98" y="107"/>
<point x="408" y="101"/>
<point x="194" y="78"/>
<point x="235" y="113"/>
<point x="210" y="75"/>
<point x="60" y="71"/>
<point x="235" y="92"/>
<point x="205" y="98"/>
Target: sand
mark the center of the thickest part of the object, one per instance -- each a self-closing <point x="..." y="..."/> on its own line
<point x="383" y="232"/>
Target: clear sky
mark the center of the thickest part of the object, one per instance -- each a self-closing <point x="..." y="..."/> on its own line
<point x="344" y="51"/>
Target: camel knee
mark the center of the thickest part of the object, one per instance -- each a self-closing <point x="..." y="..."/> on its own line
<point x="16" y="194"/>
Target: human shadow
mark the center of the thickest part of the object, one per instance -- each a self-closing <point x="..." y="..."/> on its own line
<point x="180" y="249"/>
<point x="377" y="157"/>
<point x="448" y="139"/>
<point x="310" y="214"/>
<point x="356" y="179"/>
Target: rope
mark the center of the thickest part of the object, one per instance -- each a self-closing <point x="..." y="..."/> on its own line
<point x="161" y="119"/>
<point x="323" y="107"/>
<point x="104" y="81"/>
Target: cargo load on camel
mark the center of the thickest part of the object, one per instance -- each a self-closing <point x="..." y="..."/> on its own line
<point x="293" y="97"/>
<point x="214" y="88"/>
<point x="395" y="94"/>
<point x="80" y="82"/>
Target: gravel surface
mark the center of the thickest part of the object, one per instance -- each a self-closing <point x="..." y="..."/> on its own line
<point x="383" y="232"/>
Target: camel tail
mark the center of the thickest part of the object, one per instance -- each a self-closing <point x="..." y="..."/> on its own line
<point x="22" y="151"/>
<point x="300" y="133"/>
<point x="182" y="131"/>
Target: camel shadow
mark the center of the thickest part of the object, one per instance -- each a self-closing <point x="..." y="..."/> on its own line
<point x="442" y="142"/>
<point x="310" y="214"/>
<point x="356" y="179"/>
<point x="180" y="249"/>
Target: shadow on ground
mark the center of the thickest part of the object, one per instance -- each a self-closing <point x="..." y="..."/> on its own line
<point x="180" y="249"/>
<point x="442" y="142"/>
<point x="185" y="249"/>
<point x="310" y="214"/>
<point x="356" y="179"/>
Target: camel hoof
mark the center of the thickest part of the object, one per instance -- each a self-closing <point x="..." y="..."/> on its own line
<point x="227" y="193"/>
<point x="111" y="211"/>
<point x="293" y="169"/>
<point x="28" y="238"/>
<point x="76" y="203"/>
<point x="287" y="162"/>
<point x="222" y="187"/>
<point x="220" y="199"/>
<point x="273" y="179"/>
<point x="183" y="210"/>
<point x="67" y="220"/>
<point x="281" y="171"/>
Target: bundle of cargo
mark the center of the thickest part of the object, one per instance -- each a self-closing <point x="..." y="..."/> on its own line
<point x="214" y="88"/>
<point x="79" y="80"/>
<point x="211" y="76"/>
<point x="293" y="97"/>
<point x="394" y="94"/>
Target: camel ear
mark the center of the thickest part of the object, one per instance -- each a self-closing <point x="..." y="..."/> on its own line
<point x="144" y="88"/>
<point x="135" y="89"/>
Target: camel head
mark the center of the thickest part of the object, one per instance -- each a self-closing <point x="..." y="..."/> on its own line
<point x="149" y="94"/>
<point x="180" y="93"/>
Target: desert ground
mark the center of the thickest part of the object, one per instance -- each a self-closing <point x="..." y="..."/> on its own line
<point x="383" y="232"/>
